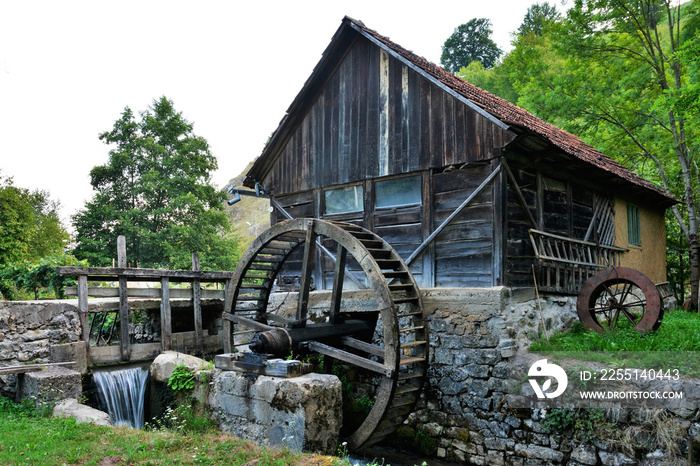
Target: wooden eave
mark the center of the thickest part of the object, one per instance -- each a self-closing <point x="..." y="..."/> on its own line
<point x="537" y="153"/>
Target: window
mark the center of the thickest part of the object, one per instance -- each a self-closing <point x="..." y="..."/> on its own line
<point x="343" y="200"/>
<point x="397" y="192"/>
<point x="634" y="234"/>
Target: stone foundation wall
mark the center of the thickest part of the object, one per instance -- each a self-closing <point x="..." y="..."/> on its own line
<point x="28" y="330"/>
<point x="478" y="342"/>
<point x="297" y="413"/>
<point x="478" y="338"/>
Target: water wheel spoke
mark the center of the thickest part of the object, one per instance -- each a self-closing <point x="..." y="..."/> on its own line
<point x="250" y="323"/>
<point x="364" y="346"/>
<point x="638" y="303"/>
<point x="350" y="358"/>
<point x="631" y="317"/>
<point x="626" y="288"/>
<point x="338" y="280"/>
<point x="615" y="315"/>
<point x="307" y="269"/>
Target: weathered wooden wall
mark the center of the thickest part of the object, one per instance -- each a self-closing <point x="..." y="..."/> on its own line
<point x="558" y="206"/>
<point x="377" y="117"/>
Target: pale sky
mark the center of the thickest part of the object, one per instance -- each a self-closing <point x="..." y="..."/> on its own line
<point x="69" y="68"/>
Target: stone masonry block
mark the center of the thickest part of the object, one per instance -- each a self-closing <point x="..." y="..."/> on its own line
<point x="298" y="413"/>
<point x="50" y="385"/>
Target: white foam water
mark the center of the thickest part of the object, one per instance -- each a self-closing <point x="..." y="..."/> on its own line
<point x="122" y="393"/>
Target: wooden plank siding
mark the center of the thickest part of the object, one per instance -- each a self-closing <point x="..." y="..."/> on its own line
<point x="559" y="206"/>
<point x="375" y="118"/>
<point x="340" y="138"/>
<point x="464" y="250"/>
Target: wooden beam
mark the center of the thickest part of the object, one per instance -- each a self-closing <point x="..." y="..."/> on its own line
<point x="338" y="279"/>
<point x="21" y="369"/>
<point x="123" y="301"/>
<point x="519" y="194"/>
<point x="306" y="274"/>
<point x="83" y="308"/>
<point x="227" y="329"/>
<point x="197" y="305"/>
<point x="456" y="212"/>
<point x="165" y="314"/>
<point x="353" y="359"/>
<point x="175" y="293"/>
<point x="153" y="275"/>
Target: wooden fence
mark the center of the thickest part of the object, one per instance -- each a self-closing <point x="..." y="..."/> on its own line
<point x="196" y="341"/>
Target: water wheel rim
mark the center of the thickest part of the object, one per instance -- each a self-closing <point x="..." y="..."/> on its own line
<point x="383" y="416"/>
<point x="600" y="297"/>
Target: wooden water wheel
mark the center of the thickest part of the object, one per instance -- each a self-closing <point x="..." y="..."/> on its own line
<point x="620" y="297"/>
<point x="387" y="337"/>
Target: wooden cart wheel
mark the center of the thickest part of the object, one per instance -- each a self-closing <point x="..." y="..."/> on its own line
<point x="396" y="353"/>
<point x="619" y="297"/>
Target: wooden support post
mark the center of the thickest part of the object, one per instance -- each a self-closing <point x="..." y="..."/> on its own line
<point x="228" y="308"/>
<point x="166" y="324"/>
<point x="83" y="311"/>
<point x="197" y="305"/>
<point x="123" y="301"/>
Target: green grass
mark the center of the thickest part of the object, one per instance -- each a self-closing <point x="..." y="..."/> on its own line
<point x="680" y="331"/>
<point x="669" y="346"/>
<point x="31" y="437"/>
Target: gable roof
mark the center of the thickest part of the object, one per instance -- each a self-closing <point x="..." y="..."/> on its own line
<point x="499" y="111"/>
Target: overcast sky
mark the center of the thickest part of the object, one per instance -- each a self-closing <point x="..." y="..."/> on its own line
<point x="69" y="68"/>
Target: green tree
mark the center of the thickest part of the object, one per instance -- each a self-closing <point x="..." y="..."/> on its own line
<point x="630" y="50"/>
<point x="532" y="39"/>
<point x="156" y="191"/>
<point x="537" y="18"/>
<point x="30" y="227"/>
<point x="470" y="42"/>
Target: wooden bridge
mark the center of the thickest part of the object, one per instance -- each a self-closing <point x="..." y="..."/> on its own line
<point x="99" y="328"/>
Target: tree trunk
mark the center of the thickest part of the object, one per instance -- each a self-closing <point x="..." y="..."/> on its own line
<point x="694" y="259"/>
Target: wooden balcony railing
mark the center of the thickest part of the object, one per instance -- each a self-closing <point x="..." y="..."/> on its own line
<point x="563" y="264"/>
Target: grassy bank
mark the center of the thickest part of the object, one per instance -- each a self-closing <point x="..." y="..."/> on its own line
<point x="680" y="331"/>
<point x="31" y="437"/>
<point x="672" y="345"/>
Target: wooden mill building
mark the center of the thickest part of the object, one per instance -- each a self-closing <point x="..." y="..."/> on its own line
<point x="383" y="138"/>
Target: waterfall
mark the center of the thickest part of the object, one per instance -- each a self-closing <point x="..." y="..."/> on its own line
<point x="122" y="392"/>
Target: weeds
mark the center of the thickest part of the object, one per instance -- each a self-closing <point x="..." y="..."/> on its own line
<point x="181" y="379"/>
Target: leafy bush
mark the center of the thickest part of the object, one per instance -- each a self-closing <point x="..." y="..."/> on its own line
<point x="181" y="379"/>
<point x="37" y="280"/>
<point x="586" y="424"/>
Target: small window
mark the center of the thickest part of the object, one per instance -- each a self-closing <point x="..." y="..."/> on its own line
<point x="634" y="233"/>
<point x="343" y="200"/>
<point x="397" y="192"/>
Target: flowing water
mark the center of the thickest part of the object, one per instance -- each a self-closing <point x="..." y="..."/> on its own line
<point x="122" y="394"/>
